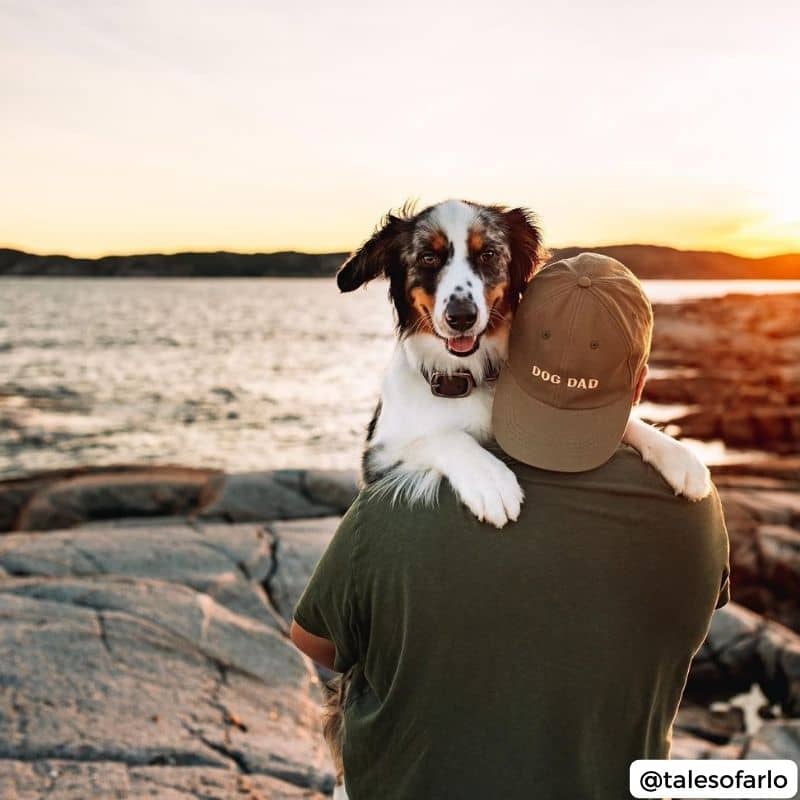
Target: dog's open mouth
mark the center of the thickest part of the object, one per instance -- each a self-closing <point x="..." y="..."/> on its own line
<point x="462" y="345"/>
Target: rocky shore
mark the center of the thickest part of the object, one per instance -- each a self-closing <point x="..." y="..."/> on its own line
<point x="735" y="362"/>
<point x="143" y="648"/>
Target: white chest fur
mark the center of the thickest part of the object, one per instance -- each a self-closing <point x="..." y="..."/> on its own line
<point x="409" y="411"/>
<point x="419" y="438"/>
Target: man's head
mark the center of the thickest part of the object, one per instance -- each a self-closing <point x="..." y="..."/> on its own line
<point x="577" y="364"/>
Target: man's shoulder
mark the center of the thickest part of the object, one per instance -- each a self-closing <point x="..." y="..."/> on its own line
<point x="624" y="479"/>
<point x="625" y="468"/>
<point x="376" y="506"/>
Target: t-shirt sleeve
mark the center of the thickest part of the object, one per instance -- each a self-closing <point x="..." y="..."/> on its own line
<point x="328" y="605"/>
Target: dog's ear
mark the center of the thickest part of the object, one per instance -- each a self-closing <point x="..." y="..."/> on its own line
<point x="526" y="250"/>
<point x="375" y="256"/>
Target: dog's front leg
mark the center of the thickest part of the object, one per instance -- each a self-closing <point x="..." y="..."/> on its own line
<point x="679" y="466"/>
<point x="484" y="484"/>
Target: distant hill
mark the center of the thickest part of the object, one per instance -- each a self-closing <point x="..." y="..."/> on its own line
<point x="647" y="261"/>
<point x="178" y="265"/>
<point x="654" y="261"/>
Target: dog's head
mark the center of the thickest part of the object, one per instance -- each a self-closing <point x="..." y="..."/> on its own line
<point x="456" y="270"/>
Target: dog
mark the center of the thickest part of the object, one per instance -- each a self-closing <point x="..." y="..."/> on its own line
<point x="456" y="273"/>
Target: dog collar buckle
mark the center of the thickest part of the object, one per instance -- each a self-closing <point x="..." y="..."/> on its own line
<point x="454" y="384"/>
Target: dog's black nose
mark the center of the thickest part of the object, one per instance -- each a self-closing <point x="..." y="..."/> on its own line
<point x="460" y="314"/>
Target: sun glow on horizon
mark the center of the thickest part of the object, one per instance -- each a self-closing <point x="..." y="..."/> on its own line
<point x="755" y="237"/>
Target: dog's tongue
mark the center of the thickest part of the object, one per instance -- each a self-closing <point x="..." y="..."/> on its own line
<point x="461" y="344"/>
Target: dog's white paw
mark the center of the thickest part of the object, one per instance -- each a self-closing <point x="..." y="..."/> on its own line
<point x="489" y="489"/>
<point x="682" y="470"/>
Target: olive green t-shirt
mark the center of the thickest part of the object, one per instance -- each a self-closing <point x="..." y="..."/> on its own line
<point x="534" y="662"/>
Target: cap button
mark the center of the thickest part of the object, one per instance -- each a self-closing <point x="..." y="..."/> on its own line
<point x="584" y="281"/>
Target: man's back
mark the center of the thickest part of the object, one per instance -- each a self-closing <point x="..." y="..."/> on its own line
<point x="537" y="661"/>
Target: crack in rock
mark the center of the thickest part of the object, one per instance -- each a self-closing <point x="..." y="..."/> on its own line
<point x="103" y="633"/>
<point x="89" y="755"/>
<point x="266" y="584"/>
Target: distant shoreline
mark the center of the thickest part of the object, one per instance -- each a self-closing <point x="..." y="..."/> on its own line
<point x="649" y="262"/>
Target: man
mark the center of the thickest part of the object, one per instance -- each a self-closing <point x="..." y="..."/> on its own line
<point x="539" y="661"/>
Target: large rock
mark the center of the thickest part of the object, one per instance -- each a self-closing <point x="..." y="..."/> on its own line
<point x="762" y="512"/>
<point x="98" y="671"/>
<point x="743" y="649"/>
<point x="780" y="553"/>
<point x="70" y="497"/>
<point x="771" y="507"/>
<point x="335" y="488"/>
<point x="281" y="494"/>
<point x="259" y="496"/>
<point x="67" y="498"/>
<point x="148" y="661"/>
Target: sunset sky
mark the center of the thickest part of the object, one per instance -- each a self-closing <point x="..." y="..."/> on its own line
<point x="139" y="125"/>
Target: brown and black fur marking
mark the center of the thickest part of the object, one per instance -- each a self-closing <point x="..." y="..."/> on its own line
<point x="396" y="249"/>
<point x="369" y="473"/>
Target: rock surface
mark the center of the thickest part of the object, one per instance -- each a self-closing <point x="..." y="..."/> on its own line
<point x="71" y="780"/>
<point x="734" y="360"/>
<point x="299" y="545"/>
<point x="741" y="649"/>
<point x="64" y="498"/>
<point x="762" y="511"/>
<point x="149" y="661"/>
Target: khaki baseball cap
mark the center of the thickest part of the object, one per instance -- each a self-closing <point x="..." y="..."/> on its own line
<point x="579" y="340"/>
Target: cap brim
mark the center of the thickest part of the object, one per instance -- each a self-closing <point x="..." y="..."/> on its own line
<point x="558" y="439"/>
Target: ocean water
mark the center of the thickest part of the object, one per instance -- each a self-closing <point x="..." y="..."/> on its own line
<point x="238" y="374"/>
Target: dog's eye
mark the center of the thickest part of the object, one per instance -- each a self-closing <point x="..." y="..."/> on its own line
<point x="429" y="259"/>
<point x="488" y="254"/>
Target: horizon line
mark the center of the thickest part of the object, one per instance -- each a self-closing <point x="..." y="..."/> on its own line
<point x="322" y="253"/>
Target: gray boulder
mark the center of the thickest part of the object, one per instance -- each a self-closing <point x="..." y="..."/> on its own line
<point x="257" y="496"/>
<point x="149" y="662"/>
<point x="66" y="498"/>
<point x="335" y="488"/>
<point x="742" y="649"/>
